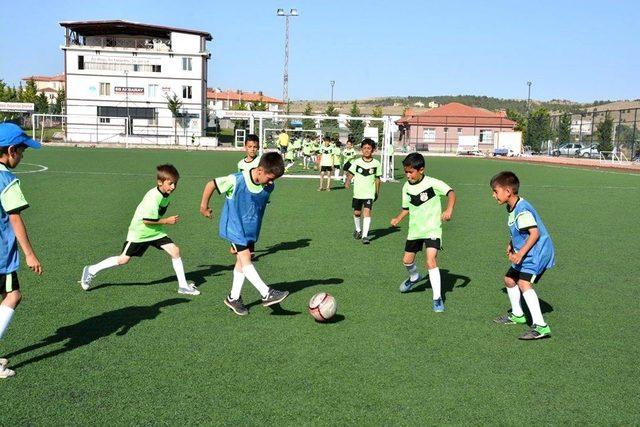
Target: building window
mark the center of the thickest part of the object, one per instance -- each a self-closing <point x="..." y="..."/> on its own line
<point x="156" y="68"/>
<point x="486" y="136"/>
<point x="446" y="130"/>
<point x="153" y="91"/>
<point x="105" y="120"/>
<point x="186" y="92"/>
<point x="81" y="62"/>
<point x="459" y="131"/>
<point x="186" y="64"/>
<point x="429" y="135"/>
<point x="105" y="89"/>
<point x="136" y="67"/>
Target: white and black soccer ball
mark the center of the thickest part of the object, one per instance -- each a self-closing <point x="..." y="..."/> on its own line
<point x="322" y="306"/>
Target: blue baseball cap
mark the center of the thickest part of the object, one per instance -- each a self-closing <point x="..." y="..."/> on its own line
<point x="11" y="134"/>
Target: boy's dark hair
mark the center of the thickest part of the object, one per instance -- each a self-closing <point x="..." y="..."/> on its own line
<point x="368" y="141"/>
<point x="272" y="163"/>
<point x="5" y="150"/>
<point x="252" y="137"/>
<point x="414" y="161"/>
<point x="506" y="179"/>
<point x="167" y="171"/>
<point x="327" y="138"/>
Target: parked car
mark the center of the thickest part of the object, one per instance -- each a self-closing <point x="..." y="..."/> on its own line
<point x="591" y="151"/>
<point x="506" y="152"/>
<point x="567" y="150"/>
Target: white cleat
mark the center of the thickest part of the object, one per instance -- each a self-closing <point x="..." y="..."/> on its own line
<point x="189" y="290"/>
<point x="6" y="372"/>
<point x="85" y="280"/>
<point x="3" y="363"/>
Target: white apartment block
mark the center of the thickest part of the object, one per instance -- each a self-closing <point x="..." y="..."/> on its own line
<point x="119" y="75"/>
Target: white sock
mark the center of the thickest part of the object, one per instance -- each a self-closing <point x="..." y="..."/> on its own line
<point x="356" y="220"/>
<point x="366" y="222"/>
<point x="103" y="265"/>
<point x="514" y="297"/>
<point x="434" y="279"/>
<point x="179" y="269"/>
<point x="252" y="276"/>
<point x="6" y="314"/>
<point x="236" y="287"/>
<point x="413" y="271"/>
<point x="531" y="298"/>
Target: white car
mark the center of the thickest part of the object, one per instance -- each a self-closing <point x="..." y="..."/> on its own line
<point x="589" y="151"/>
<point x="567" y="150"/>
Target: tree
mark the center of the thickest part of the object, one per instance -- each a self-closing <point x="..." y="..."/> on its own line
<point x="41" y="105"/>
<point x="538" y="129"/>
<point x="60" y="101"/>
<point x="308" y="124"/>
<point x="30" y="93"/>
<point x="604" y="132"/>
<point x="330" y="126"/>
<point x="241" y="106"/>
<point x="519" y="119"/>
<point x="174" y="105"/>
<point x="356" y="127"/>
<point x="624" y="135"/>
<point x="259" y="106"/>
<point x="377" y="113"/>
<point x="564" y="128"/>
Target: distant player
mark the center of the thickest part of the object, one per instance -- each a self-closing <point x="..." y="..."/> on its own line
<point x="530" y="251"/>
<point x="251" y="147"/>
<point x="147" y="230"/>
<point x="13" y="143"/>
<point x="337" y="157"/>
<point x="365" y="172"/>
<point x="421" y="201"/>
<point x="325" y="155"/>
<point x="283" y="141"/>
<point x="246" y="196"/>
<point x="307" y="149"/>
<point x="347" y="155"/>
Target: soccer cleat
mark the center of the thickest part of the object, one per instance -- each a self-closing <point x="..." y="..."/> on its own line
<point x="407" y="285"/>
<point x="510" y="319"/>
<point x="274" y="297"/>
<point x="536" y="332"/>
<point x="237" y="306"/>
<point x="3" y="363"/>
<point x="85" y="280"/>
<point x="357" y="235"/>
<point x="438" y="305"/>
<point x="6" y="372"/>
<point x="366" y="240"/>
<point x="189" y="290"/>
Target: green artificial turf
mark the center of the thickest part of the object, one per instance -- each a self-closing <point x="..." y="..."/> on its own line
<point x="133" y="351"/>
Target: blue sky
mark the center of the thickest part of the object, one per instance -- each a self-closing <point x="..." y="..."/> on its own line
<point x="578" y="50"/>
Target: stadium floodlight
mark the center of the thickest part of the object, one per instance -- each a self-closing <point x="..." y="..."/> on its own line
<point x="285" y="77"/>
<point x="280" y="12"/>
<point x="294" y="12"/>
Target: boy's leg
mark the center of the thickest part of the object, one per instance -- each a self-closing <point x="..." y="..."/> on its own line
<point x="10" y="300"/>
<point x="357" y="213"/>
<point x="234" y="300"/>
<point x="409" y="261"/>
<point x="366" y="223"/>
<point x="269" y="296"/>
<point x="539" y="329"/>
<point x="516" y="316"/>
<point x="183" y="286"/>
<point x="435" y="279"/>
<point x="321" y="181"/>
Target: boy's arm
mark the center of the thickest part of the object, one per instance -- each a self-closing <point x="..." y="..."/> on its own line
<point x="347" y="182"/>
<point x="378" y="182"/>
<point x="20" y="230"/>
<point x="396" y="220"/>
<point x="209" y="188"/>
<point x="451" y="201"/>
<point x="162" y="221"/>
<point x="534" y="235"/>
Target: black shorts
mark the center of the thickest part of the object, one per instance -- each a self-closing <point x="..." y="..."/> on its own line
<point x="346" y="166"/>
<point x="139" y="248"/>
<point x="9" y="282"/>
<point x="358" y="204"/>
<point x="326" y="168"/>
<point x="239" y="248"/>
<point x="521" y="275"/>
<point x="415" y="246"/>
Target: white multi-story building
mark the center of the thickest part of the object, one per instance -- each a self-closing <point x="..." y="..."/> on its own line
<point x="119" y="76"/>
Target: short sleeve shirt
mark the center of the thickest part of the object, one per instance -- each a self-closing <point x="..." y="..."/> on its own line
<point x="11" y="201"/>
<point x="283" y="139"/>
<point x="422" y="199"/>
<point x="365" y="175"/>
<point x="152" y="207"/>
<point x="243" y="165"/>
<point x="326" y="155"/>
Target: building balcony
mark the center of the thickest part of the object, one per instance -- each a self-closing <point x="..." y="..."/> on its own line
<point x="135" y="43"/>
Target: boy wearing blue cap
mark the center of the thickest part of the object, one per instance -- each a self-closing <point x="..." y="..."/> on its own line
<point x="13" y="142"/>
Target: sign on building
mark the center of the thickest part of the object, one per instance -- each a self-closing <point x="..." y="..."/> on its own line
<point x="24" y="107"/>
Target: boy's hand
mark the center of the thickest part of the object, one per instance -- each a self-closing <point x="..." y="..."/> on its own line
<point x="395" y="221"/>
<point x="206" y="212"/>
<point x="509" y="249"/>
<point x="172" y="219"/>
<point x="34" y="264"/>
<point x="515" y="258"/>
<point x="446" y="215"/>
<point x="375" y="199"/>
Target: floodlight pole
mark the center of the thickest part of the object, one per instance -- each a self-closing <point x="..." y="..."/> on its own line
<point x="285" y="77"/>
<point x="529" y="116"/>
<point x="332" y="83"/>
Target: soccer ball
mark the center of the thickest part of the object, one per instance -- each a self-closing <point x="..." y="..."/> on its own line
<point x="322" y="306"/>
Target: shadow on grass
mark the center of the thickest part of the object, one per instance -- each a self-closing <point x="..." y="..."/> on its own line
<point x="284" y="246"/>
<point x="198" y="277"/>
<point x="448" y="282"/>
<point x="296" y="286"/>
<point x="381" y="232"/>
<point x="337" y="318"/>
<point x="545" y="307"/>
<point x="117" y="322"/>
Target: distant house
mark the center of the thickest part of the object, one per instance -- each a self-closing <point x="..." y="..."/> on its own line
<point x="49" y="85"/>
<point x="418" y="104"/>
<point x="225" y="100"/>
<point x="438" y="129"/>
<point x="433" y="104"/>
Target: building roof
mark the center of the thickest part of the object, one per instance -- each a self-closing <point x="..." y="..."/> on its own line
<point x="112" y="27"/>
<point x="456" y="114"/>
<point x="239" y="95"/>
<point x="56" y="78"/>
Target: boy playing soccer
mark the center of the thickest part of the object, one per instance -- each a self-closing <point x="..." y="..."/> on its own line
<point x="146" y="229"/>
<point x="13" y="142"/>
<point x="326" y="163"/>
<point x="530" y="251"/>
<point x="421" y="201"/>
<point x="365" y="172"/>
<point x="246" y="196"/>
<point x="347" y="155"/>
<point x="252" y="159"/>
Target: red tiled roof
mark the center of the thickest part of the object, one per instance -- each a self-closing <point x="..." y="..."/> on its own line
<point x="56" y="78"/>
<point x="233" y="95"/>
<point x="47" y="89"/>
<point x="456" y="114"/>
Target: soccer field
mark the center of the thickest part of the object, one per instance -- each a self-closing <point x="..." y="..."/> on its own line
<point x="133" y="351"/>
